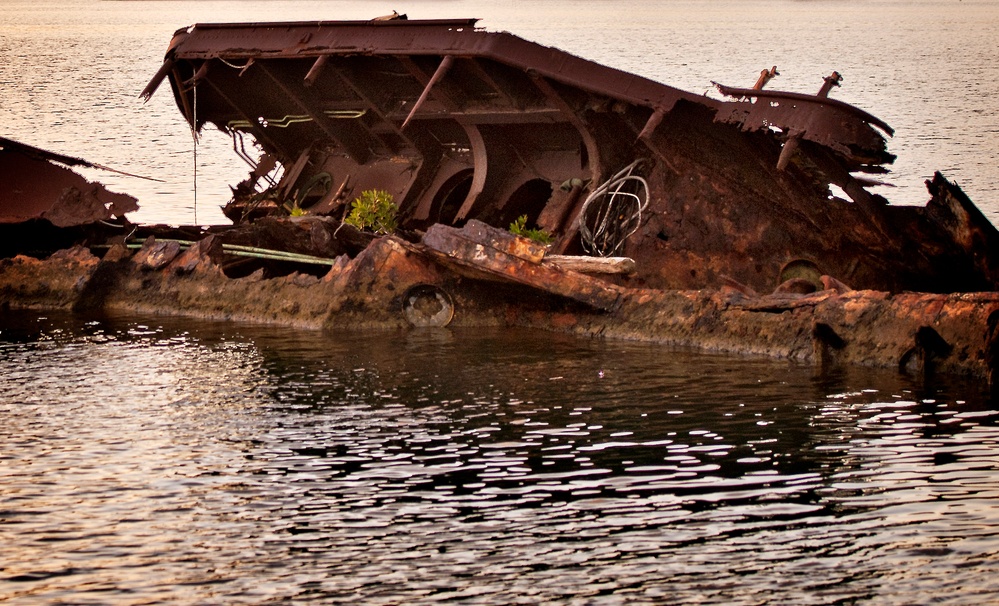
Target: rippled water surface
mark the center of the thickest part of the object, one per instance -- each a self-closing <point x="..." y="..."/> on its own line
<point x="149" y="460"/>
<point x="71" y="73"/>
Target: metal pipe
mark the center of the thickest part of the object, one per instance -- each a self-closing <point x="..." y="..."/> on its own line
<point x="239" y="250"/>
<point x="441" y="70"/>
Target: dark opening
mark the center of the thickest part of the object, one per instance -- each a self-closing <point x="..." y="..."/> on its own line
<point x="450" y="197"/>
<point x="314" y="190"/>
<point x="528" y="199"/>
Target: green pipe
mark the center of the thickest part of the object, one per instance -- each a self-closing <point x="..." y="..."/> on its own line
<point x="238" y="250"/>
<point x="279" y="255"/>
<point x="283" y="257"/>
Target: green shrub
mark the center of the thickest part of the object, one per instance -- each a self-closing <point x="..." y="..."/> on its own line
<point x="519" y="228"/>
<point x="375" y="211"/>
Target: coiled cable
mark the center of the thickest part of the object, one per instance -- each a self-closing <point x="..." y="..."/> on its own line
<point x="613" y="212"/>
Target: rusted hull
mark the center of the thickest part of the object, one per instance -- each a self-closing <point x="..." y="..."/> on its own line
<point x="921" y="334"/>
<point x="697" y="204"/>
<point x="37" y="184"/>
<point x="459" y="124"/>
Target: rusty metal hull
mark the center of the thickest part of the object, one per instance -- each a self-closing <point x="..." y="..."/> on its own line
<point x="458" y="124"/>
<point x="922" y="334"/>
<point x="38" y="184"/>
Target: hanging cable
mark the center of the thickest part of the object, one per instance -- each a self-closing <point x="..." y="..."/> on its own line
<point x="194" y="134"/>
<point x="613" y="212"/>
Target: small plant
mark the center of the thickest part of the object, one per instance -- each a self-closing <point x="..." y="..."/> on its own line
<point x="519" y="228"/>
<point x="375" y="211"/>
<point x="294" y="210"/>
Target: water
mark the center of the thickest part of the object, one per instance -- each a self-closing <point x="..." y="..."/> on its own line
<point x="71" y="73"/>
<point x="150" y="460"/>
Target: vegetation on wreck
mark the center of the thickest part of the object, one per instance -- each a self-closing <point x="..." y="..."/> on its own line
<point x="294" y="210"/>
<point x="519" y="228"/>
<point x="375" y="211"/>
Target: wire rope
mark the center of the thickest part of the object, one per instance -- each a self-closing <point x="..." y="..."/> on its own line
<point x="234" y="66"/>
<point x="194" y="134"/>
<point x="613" y="212"/>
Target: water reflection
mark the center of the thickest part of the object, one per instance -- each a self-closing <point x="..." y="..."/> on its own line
<point x="154" y="460"/>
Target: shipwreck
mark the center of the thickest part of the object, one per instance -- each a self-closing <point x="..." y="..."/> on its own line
<point x="746" y="223"/>
<point x="458" y="123"/>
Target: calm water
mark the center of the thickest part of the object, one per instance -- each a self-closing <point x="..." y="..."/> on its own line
<point x="71" y="72"/>
<point x="147" y="460"/>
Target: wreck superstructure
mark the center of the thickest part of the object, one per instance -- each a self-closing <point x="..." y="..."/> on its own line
<point x="459" y="123"/>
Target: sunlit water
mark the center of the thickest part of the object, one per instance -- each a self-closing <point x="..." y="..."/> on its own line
<point x="146" y="460"/>
<point x="71" y="73"/>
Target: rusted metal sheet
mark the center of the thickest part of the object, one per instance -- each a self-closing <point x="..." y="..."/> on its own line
<point x="826" y="121"/>
<point x="460" y="124"/>
<point x="35" y="183"/>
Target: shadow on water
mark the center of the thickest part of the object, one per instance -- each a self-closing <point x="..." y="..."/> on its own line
<point x="156" y="459"/>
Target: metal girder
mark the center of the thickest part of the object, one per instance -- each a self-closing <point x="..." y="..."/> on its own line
<point x="442" y="69"/>
<point x="593" y="149"/>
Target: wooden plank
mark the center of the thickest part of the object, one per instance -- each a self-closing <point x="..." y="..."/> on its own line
<point x="498" y="239"/>
<point x="593" y="265"/>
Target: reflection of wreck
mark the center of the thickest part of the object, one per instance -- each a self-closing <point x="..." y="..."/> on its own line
<point x="460" y="124"/>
